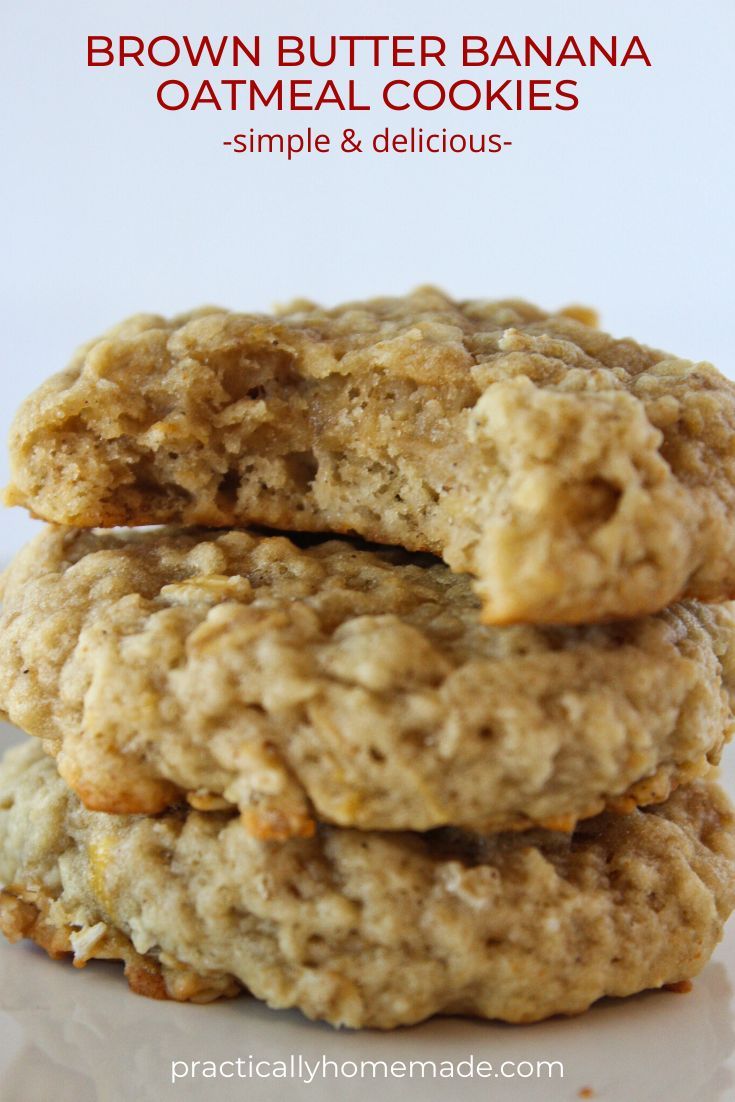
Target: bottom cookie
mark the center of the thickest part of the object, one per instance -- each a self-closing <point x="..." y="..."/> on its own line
<point x="368" y="929"/>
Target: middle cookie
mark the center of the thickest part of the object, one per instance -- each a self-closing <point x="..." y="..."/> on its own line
<point x="352" y="686"/>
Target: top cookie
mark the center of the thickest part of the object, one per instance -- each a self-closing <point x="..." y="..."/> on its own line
<point x="577" y="477"/>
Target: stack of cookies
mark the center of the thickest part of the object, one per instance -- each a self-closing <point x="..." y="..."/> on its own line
<point x="459" y="768"/>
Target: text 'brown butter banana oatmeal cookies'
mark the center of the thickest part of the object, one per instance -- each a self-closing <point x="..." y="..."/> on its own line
<point x="330" y="682"/>
<point x="368" y="929"/>
<point x="576" y="477"/>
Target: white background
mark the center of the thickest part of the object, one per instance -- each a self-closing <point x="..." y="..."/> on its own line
<point x="113" y="205"/>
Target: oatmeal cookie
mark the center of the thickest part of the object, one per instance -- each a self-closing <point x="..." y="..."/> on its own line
<point x="332" y="682"/>
<point x="369" y="929"/>
<point x="576" y="477"/>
